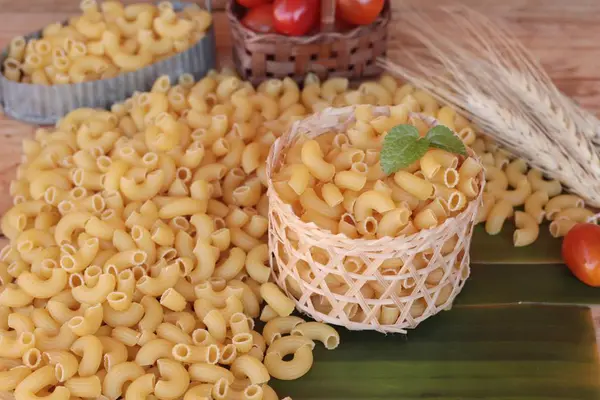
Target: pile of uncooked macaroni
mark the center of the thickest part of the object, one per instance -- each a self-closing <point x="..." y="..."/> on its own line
<point x="336" y="181"/>
<point x="138" y="258"/>
<point x="105" y="41"/>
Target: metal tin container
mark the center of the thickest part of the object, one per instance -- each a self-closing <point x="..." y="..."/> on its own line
<point x="44" y="105"/>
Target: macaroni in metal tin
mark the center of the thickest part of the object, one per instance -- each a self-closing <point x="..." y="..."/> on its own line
<point x="45" y="105"/>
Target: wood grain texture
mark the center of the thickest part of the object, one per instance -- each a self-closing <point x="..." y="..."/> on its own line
<point x="65" y="6"/>
<point x="562" y="35"/>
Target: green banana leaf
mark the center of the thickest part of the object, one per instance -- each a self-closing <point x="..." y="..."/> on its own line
<point x="525" y="283"/>
<point x="521" y="352"/>
<point x="499" y="249"/>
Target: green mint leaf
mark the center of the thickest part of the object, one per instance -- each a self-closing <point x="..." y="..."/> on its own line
<point x="402" y="146"/>
<point x="442" y="137"/>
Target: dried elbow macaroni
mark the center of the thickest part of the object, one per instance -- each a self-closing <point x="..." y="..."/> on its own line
<point x="513" y="189"/>
<point x="336" y="181"/>
<point x="138" y="260"/>
<point x="105" y="41"/>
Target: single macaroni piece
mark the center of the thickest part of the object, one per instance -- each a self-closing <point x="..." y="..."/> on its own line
<point x="527" y="231"/>
<point x="117" y="376"/>
<point x="576" y="214"/>
<point x="560" y="227"/>
<point x="32" y="384"/>
<point x="11" y="378"/>
<point x="275" y="298"/>
<point x="552" y="187"/>
<point x="256" y="263"/>
<point x="141" y="387"/>
<point x="561" y="202"/>
<point x="89" y="348"/>
<point x="418" y="187"/>
<point x="268" y="313"/>
<point x="515" y="172"/>
<point x="293" y="369"/>
<point x="501" y="211"/>
<point x="280" y="326"/>
<point x="152" y="350"/>
<point x="174" y="379"/>
<point x="84" y="387"/>
<point x="318" y="331"/>
<point x="312" y="158"/>
<point x="534" y="205"/>
<point x="497" y="180"/>
<point x="209" y="373"/>
<point x="489" y="200"/>
<point x="288" y="344"/>
<point x="517" y="196"/>
<point x="371" y="201"/>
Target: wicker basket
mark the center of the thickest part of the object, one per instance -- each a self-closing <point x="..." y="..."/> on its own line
<point x="351" y="54"/>
<point x="308" y="262"/>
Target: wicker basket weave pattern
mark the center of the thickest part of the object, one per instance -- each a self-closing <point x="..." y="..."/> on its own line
<point x="308" y="261"/>
<point x="350" y="54"/>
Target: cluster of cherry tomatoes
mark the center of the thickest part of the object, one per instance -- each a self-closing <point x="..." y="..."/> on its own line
<point x="301" y="17"/>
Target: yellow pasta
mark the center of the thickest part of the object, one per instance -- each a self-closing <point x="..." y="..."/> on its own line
<point x="497" y="216"/>
<point x="90" y="46"/>
<point x="534" y="205"/>
<point x="149" y="258"/>
<point x="528" y="229"/>
<point x="561" y="202"/>
<point x="560" y="227"/>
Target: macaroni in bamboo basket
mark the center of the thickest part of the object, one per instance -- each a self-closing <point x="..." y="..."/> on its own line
<point x="415" y="275"/>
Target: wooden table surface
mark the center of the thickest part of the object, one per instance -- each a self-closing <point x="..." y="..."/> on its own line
<point x="563" y="34"/>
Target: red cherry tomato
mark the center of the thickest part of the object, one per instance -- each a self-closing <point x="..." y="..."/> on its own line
<point x="359" y="12"/>
<point x="259" y="19"/>
<point x="295" y="17"/>
<point x="581" y="253"/>
<point x="253" y="3"/>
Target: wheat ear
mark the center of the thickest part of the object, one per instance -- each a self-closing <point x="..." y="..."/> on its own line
<point x="479" y="67"/>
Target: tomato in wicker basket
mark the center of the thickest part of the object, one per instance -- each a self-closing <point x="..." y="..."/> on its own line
<point x="295" y="17"/>
<point x="327" y="49"/>
<point x="260" y="19"/>
<point x="359" y="12"/>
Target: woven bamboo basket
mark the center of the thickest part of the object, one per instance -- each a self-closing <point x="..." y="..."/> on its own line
<point x="350" y="54"/>
<point x="307" y="259"/>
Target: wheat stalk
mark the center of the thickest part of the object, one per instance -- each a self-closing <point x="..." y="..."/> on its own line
<point x="479" y="67"/>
